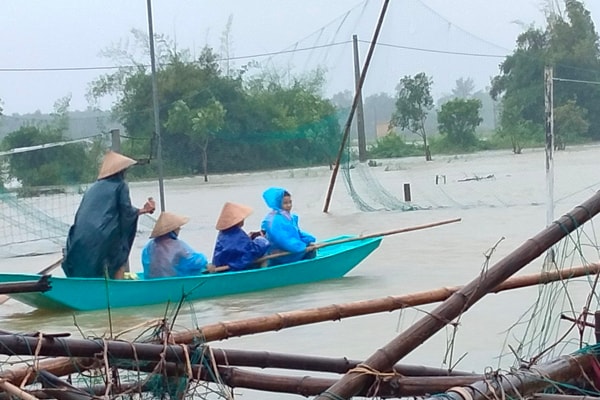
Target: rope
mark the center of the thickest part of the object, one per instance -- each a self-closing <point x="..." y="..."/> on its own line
<point x="462" y="392"/>
<point x="365" y="369"/>
<point x="332" y="396"/>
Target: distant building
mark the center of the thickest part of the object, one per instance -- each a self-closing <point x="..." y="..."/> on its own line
<point x="382" y="129"/>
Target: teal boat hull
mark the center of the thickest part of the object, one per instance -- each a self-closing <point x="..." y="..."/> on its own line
<point x="84" y="294"/>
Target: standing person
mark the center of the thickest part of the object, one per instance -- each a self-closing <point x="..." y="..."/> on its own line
<point x="282" y="230"/>
<point x="101" y="237"/>
<point x="234" y="248"/>
<point x="167" y="255"/>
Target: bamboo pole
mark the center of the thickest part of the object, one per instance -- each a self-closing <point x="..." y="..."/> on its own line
<point x="357" y="94"/>
<point x="361" y="237"/>
<point x="462" y="300"/>
<point x="335" y="312"/>
<point x="551" y="396"/>
<point x="284" y="320"/>
<point x="175" y="354"/>
<point x="14" y="344"/>
<point x="16" y="391"/>
<point x="340" y="365"/>
<point x="43" y="272"/>
<point x="41" y="285"/>
<point x="391" y="386"/>
<point x="222" y="268"/>
<point x="525" y="382"/>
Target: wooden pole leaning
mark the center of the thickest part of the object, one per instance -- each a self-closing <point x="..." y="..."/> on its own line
<point x="64" y="366"/>
<point x="320" y="245"/>
<point x="45" y="271"/>
<point x="337" y="312"/>
<point x="461" y="301"/>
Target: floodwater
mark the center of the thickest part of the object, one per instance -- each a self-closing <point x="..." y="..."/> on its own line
<point x="500" y="211"/>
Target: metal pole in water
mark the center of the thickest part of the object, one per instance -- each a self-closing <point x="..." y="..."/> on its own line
<point x="407" y="196"/>
<point x="161" y="186"/>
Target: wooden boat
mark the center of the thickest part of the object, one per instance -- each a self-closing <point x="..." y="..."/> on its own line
<point x="84" y="294"/>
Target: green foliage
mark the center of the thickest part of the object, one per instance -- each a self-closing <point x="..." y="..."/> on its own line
<point x="262" y="122"/>
<point x="570" y="44"/>
<point x="392" y="146"/>
<point x="200" y="125"/>
<point x="458" y="119"/>
<point x="516" y="129"/>
<point x="58" y="165"/>
<point x="413" y="103"/>
<point x="464" y="88"/>
<point x="570" y="124"/>
<point x="52" y="166"/>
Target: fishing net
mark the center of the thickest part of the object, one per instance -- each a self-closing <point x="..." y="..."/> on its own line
<point x="36" y="219"/>
<point x="368" y="193"/>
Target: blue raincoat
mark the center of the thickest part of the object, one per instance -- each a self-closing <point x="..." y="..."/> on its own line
<point x="103" y="232"/>
<point x="167" y="255"/>
<point x="282" y="230"/>
<point x="235" y="248"/>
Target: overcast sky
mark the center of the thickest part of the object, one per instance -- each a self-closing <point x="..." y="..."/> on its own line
<point x="418" y="35"/>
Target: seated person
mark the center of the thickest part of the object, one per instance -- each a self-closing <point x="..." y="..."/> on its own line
<point x="167" y="255"/>
<point x="234" y="248"/>
<point x="282" y="230"/>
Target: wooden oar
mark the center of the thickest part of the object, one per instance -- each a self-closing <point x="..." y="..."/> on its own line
<point x="212" y="268"/>
<point x="353" y="239"/>
<point x="45" y="271"/>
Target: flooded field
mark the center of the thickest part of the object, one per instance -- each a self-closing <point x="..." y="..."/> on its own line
<point x="499" y="196"/>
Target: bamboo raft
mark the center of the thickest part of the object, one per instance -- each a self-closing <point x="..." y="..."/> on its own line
<point x="177" y="363"/>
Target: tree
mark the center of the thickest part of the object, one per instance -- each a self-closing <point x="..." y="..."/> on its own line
<point x="391" y="146"/>
<point x="457" y="119"/>
<point x="280" y="115"/>
<point x="57" y="165"/>
<point x="413" y="103"/>
<point x="570" y="44"/>
<point x="227" y="47"/>
<point x="207" y="122"/>
<point x="517" y="129"/>
<point x="521" y="78"/>
<point x="464" y="88"/>
<point x="569" y="123"/>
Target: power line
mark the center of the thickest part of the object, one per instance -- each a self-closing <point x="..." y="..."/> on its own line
<point x="269" y="54"/>
<point x="458" y="53"/>
<point x="575" y="81"/>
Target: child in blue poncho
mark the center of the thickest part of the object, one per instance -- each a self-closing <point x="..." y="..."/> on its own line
<point x="282" y="230"/>
<point x="167" y="255"/>
<point x="234" y="249"/>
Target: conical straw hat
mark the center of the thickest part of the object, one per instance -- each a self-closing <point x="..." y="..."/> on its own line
<point x="114" y="162"/>
<point x="168" y="222"/>
<point x="232" y="214"/>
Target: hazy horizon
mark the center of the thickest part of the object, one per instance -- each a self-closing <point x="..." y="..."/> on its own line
<point x="53" y="49"/>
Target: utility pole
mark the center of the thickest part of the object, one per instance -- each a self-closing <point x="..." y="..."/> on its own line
<point x="360" y="115"/>
<point x="363" y="75"/>
<point x="161" y="186"/>
<point x="549" y="128"/>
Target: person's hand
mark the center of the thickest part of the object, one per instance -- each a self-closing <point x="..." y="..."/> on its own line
<point x="149" y="206"/>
